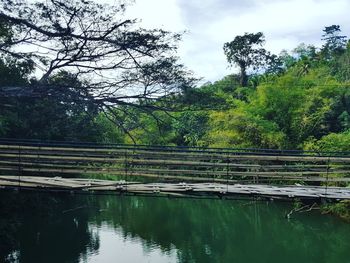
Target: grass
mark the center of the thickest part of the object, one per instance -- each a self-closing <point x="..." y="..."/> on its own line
<point x="341" y="209"/>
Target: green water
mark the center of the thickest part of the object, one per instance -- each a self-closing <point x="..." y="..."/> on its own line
<point x="75" y="228"/>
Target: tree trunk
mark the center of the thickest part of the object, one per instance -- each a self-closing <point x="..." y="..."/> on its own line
<point x="244" y="77"/>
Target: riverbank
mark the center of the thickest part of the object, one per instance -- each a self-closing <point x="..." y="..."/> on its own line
<point x="341" y="210"/>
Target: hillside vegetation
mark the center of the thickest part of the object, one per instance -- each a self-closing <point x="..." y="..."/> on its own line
<point x="298" y="100"/>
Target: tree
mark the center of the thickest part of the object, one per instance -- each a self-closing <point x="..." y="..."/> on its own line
<point x="246" y="51"/>
<point x="334" y="42"/>
<point x="303" y="51"/>
<point x="115" y="61"/>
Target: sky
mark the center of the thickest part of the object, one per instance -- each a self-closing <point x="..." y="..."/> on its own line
<point x="208" y="24"/>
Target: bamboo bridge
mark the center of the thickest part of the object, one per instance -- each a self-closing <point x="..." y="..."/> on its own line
<point x="170" y="170"/>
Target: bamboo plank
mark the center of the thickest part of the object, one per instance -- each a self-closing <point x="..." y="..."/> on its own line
<point x="215" y="188"/>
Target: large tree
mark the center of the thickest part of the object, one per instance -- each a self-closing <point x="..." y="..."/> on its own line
<point x="115" y="61"/>
<point x="247" y="52"/>
<point x="334" y="41"/>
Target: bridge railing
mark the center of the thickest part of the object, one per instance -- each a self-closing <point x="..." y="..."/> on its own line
<point x="168" y="163"/>
<point x="92" y="145"/>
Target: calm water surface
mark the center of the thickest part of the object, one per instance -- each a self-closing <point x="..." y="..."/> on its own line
<point x="75" y="228"/>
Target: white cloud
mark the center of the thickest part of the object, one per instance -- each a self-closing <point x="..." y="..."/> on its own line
<point x="157" y="14"/>
<point x="284" y="23"/>
<point x="211" y="23"/>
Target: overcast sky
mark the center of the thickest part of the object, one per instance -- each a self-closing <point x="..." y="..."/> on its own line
<point x="211" y="23"/>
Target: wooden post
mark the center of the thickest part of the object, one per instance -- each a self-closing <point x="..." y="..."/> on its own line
<point x="125" y="165"/>
<point x="19" y="166"/>
<point x="227" y="174"/>
<point x="327" y="176"/>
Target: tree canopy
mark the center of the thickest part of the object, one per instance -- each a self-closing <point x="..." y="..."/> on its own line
<point x="334" y="41"/>
<point x="105" y="60"/>
<point x="247" y="52"/>
<point x="115" y="61"/>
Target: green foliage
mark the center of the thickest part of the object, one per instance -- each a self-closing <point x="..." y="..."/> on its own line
<point x="340" y="66"/>
<point x="305" y="107"/>
<point x="334" y="42"/>
<point x="107" y="131"/>
<point x="285" y="112"/>
<point x="241" y="128"/>
<point x="341" y="209"/>
<point x="335" y="142"/>
<point x="305" y="51"/>
<point x="14" y="72"/>
<point x="64" y="117"/>
<point x="191" y="127"/>
<point x="219" y="94"/>
<point x="150" y="128"/>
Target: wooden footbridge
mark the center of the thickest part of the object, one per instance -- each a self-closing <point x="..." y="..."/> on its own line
<point x="141" y="169"/>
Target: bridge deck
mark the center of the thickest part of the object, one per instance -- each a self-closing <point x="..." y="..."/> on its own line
<point x="78" y="184"/>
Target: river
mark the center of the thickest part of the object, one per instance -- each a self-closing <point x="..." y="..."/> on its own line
<point x="43" y="227"/>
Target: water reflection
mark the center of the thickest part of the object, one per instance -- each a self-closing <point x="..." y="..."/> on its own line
<point x="117" y="248"/>
<point x="144" y="229"/>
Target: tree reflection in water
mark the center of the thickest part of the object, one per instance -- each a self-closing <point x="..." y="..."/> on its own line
<point x="68" y="228"/>
<point x="34" y="228"/>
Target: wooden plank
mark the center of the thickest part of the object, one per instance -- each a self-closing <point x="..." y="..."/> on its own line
<point x="214" y="188"/>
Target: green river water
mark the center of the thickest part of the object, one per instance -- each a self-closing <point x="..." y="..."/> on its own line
<point x="89" y="228"/>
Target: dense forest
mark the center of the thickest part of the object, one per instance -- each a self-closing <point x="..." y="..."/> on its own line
<point x="299" y="99"/>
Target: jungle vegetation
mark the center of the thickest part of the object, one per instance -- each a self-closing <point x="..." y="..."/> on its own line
<point x="299" y="99"/>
